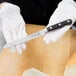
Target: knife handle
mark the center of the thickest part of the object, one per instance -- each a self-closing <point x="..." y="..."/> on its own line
<point x="59" y="25"/>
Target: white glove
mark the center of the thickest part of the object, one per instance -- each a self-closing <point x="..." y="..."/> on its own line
<point x="13" y="25"/>
<point x="2" y="39"/>
<point x="65" y="10"/>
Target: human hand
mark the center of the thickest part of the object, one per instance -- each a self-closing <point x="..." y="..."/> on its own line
<point x="66" y="10"/>
<point x="13" y="25"/>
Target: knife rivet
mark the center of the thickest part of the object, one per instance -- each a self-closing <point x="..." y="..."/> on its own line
<point x="50" y="27"/>
<point x="68" y="21"/>
<point x="59" y="24"/>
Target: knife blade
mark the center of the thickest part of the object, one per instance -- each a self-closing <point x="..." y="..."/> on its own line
<point x="39" y="33"/>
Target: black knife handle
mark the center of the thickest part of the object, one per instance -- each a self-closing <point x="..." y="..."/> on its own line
<point x="59" y="25"/>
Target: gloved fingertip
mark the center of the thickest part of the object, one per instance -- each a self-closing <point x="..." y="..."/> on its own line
<point x="23" y="46"/>
<point x="48" y="42"/>
<point x="19" y="49"/>
<point x="44" y="39"/>
<point x="47" y="38"/>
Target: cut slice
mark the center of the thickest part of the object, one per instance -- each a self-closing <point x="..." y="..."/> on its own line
<point x="33" y="72"/>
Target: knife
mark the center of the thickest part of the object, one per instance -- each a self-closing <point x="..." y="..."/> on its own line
<point x="39" y="33"/>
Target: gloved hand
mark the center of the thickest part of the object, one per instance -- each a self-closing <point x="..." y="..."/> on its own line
<point x="13" y="25"/>
<point x="66" y="10"/>
<point x="2" y="39"/>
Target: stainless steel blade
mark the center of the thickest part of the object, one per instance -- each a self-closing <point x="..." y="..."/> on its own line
<point x="27" y="38"/>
